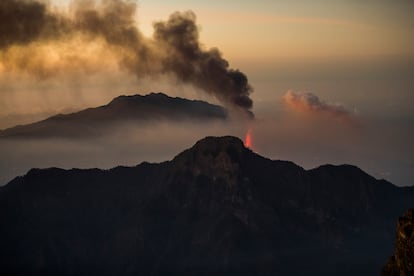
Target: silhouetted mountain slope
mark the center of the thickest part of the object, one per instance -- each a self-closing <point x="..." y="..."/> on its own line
<point x="215" y="209"/>
<point x="123" y="109"/>
<point x="402" y="262"/>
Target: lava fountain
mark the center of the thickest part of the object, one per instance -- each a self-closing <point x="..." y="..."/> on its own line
<point x="248" y="139"/>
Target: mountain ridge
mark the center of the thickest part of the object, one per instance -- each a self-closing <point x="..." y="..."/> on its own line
<point x="216" y="208"/>
<point x="122" y="109"/>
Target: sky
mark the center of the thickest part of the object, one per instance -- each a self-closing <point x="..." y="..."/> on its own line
<point x="287" y="29"/>
<point x="332" y="82"/>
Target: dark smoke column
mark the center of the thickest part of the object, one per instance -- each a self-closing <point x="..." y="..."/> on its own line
<point x="174" y="49"/>
<point x="208" y="70"/>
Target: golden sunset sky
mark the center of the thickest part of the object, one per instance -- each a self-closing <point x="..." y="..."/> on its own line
<point x="297" y="29"/>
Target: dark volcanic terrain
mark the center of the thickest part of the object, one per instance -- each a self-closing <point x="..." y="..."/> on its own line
<point x="215" y="209"/>
<point x="122" y="110"/>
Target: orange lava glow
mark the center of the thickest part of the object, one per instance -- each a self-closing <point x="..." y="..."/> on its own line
<point x="248" y="139"/>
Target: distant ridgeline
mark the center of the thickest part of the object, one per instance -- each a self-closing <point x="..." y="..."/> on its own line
<point x="215" y="209"/>
<point x="123" y="109"/>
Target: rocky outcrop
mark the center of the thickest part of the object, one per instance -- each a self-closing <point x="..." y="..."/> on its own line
<point x="402" y="262"/>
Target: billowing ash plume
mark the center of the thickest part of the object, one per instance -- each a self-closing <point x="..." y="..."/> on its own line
<point x="173" y="50"/>
<point x="22" y="22"/>
<point x="206" y="69"/>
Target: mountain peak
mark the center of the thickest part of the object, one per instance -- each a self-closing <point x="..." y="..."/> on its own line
<point x="214" y="154"/>
<point x="159" y="105"/>
<point x="150" y="96"/>
<point x="213" y="146"/>
<point x="220" y="143"/>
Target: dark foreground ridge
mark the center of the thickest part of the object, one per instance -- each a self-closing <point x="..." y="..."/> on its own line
<point x="215" y="209"/>
<point x="121" y="110"/>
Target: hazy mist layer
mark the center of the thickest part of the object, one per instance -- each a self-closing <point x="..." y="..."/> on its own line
<point x="309" y="140"/>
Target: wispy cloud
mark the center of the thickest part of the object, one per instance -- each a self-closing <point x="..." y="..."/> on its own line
<point x="309" y="103"/>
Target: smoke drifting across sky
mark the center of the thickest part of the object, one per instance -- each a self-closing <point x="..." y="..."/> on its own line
<point x="39" y="40"/>
<point x="309" y="103"/>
